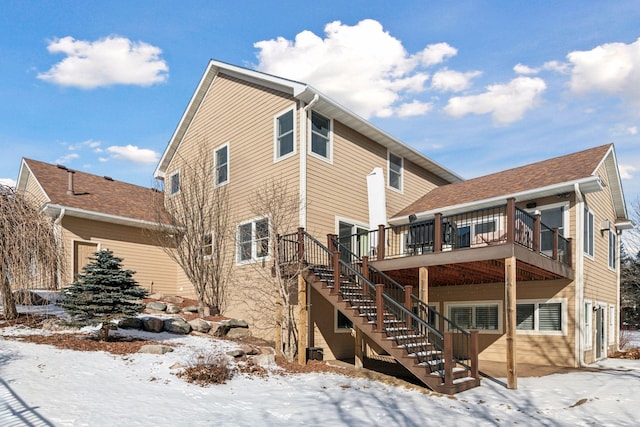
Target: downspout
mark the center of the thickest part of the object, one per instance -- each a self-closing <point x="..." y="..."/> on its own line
<point x="303" y="161"/>
<point x="579" y="333"/>
<point x="57" y="224"/>
<point x="617" y="314"/>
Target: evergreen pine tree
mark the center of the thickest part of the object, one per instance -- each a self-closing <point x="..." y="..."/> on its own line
<point x="103" y="291"/>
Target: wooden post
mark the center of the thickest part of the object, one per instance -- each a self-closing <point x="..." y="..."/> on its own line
<point x="300" y="244"/>
<point x="408" y="303"/>
<point x="379" y="307"/>
<point x="365" y="274"/>
<point x="473" y="354"/>
<point x="302" y="321"/>
<point x="536" y="233"/>
<point x="556" y="241"/>
<point x="437" y="233"/>
<point x="359" y="361"/>
<point x="510" y="303"/>
<point x="511" y="220"/>
<point x="423" y="284"/>
<point x="330" y="244"/>
<point x="448" y="358"/>
<point x="381" y="245"/>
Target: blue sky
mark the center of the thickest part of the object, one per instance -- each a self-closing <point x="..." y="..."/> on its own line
<point x="478" y="86"/>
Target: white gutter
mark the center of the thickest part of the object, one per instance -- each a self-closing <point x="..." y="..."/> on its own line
<point x="579" y="278"/>
<point x="523" y="195"/>
<point x="303" y="160"/>
<point x="99" y="216"/>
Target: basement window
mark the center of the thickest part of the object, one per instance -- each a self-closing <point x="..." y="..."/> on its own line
<point x="483" y="316"/>
<point x="545" y="317"/>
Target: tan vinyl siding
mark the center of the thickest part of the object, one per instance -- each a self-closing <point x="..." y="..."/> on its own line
<point x="535" y="348"/>
<point x="340" y="189"/>
<point x="154" y="270"/>
<point x="34" y="192"/>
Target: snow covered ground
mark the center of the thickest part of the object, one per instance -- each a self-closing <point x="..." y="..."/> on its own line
<point x="41" y="386"/>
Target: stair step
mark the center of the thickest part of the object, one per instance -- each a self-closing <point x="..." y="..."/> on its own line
<point x="455" y="371"/>
<point x="426" y="353"/>
<point x="414" y="344"/>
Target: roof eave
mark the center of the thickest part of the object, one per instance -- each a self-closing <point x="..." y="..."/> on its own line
<point x="587" y="185"/>
<point x="54" y="210"/>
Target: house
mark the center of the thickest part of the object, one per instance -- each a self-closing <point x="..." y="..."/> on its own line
<point x="397" y="258"/>
<point x="97" y="212"/>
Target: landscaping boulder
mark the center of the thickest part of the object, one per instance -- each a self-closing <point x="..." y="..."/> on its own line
<point x="155" y="349"/>
<point x="237" y="353"/>
<point x="174" y="300"/>
<point x="157" y="306"/>
<point x="177" y="325"/>
<point x="172" y="309"/>
<point x="153" y="324"/>
<point x="190" y="309"/>
<point x="236" y="333"/>
<point x="200" y="325"/>
<point x="157" y="295"/>
<point x="265" y="359"/>
<point x="218" y="329"/>
<point x="250" y="349"/>
<point x="131" y="323"/>
<point x="236" y="323"/>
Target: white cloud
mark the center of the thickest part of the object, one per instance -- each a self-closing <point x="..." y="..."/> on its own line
<point x="108" y="61"/>
<point x="524" y="69"/>
<point x="612" y="68"/>
<point x="133" y="153"/>
<point x="88" y="143"/>
<point x="453" y="81"/>
<point x="505" y="102"/>
<point x="8" y="182"/>
<point x="560" y="67"/>
<point x="627" y="171"/>
<point x="361" y="66"/>
<point x="414" y="108"/>
<point x="633" y="130"/>
<point x="67" y="158"/>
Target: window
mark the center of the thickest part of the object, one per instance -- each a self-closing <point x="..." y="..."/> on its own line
<point x="207" y="244"/>
<point x="284" y="135"/>
<point x="221" y="158"/>
<point x="342" y="322"/>
<point x="253" y="240"/>
<point x="612" y="324"/>
<point x="482" y="316"/>
<point x="174" y="183"/>
<point x="613" y="246"/>
<point x="543" y="316"/>
<point x="588" y="232"/>
<point x="395" y="164"/>
<point x="320" y="136"/>
<point x="588" y="332"/>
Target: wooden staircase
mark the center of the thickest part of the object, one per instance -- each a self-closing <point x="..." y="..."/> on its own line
<point x="396" y="330"/>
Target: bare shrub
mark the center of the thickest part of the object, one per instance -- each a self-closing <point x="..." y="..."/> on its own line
<point x="207" y="370"/>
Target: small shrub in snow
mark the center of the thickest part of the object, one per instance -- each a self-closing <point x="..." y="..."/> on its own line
<point x="207" y="370"/>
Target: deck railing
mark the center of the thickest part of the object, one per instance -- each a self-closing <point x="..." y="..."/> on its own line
<point x="473" y="229"/>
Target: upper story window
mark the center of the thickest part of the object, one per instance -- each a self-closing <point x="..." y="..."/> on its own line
<point x="174" y="183"/>
<point x="284" y="135"/>
<point x="613" y="246"/>
<point x="588" y="232"/>
<point x="253" y="240"/>
<point x="321" y="136"/>
<point x="207" y="244"/>
<point x="395" y="169"/>
<point x="221" y="166"/>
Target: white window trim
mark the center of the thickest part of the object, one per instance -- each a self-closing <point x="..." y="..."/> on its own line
<point x="612" y="323"/>
<point x="330" y="151"/>
<point x="499" y="303"/>
<point x="254" y="246"/>
<point x="203" y="245"/>
<point x="171" y="175"/>
<point x="587" y="332"/>
<point x="615" y="250"/>
<point x="277" y="158"/>
<point x="536" y="331"/>
<point x="335" y="324"/>
<point x="593" y="233"/>
<point x="498" y="220"/>
<point x="401" y="189"/>
<point x="566" y="217"/>
<point x="215" y="165"/>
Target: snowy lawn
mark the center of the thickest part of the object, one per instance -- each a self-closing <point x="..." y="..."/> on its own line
<point x="43" y="385"/>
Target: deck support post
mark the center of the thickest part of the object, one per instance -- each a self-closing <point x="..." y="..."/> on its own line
<point x="437" y="233"/>
<point x="511" y="219"/>
<point x="510" y="303"/>
<point x="408" y="292"/>
<point x="381" y="240"/>
<point x="423" y="284"/>
<point x="473" y="354"/>
<point x="302" y="321"/>
<point x="536" y="232"/>
<point x="359" y="361"/>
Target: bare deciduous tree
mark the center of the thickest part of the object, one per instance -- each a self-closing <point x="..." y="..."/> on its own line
<point x="31" y="253"/>
<point x="632" y="236"/>
<point x="193" y="227"/>
<point x="276" y="291"/>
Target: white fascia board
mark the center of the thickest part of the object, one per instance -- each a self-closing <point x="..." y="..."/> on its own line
<point x="624" y="225"/>
<point x="589" y="184"/>
<point x="52" y="209"/>
<point x="615" y="182"/>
